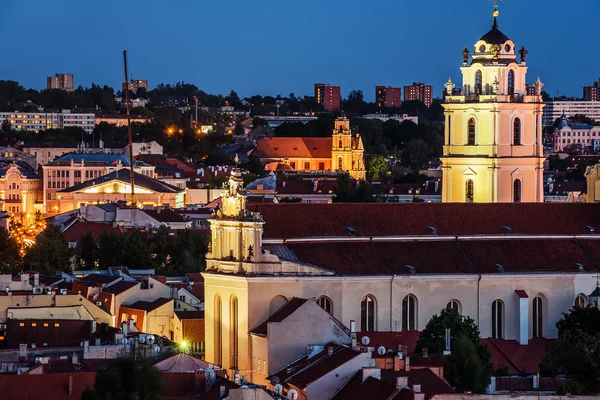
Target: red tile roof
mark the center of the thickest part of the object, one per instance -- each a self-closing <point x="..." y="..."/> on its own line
<point x="99" y="279"/>
<point x="522" y="294"/>
<point x="371" y="388"/>
<point x="120" y="287"/>
<point x="391" y="340"/>
<point x="149" y="305"/>
<point x="381" y="219"/>
<point x="46" y="386"/>
<point x="291" y="147"/>
<point x="519" y="359"/>
<point x="291" y="187"/>
<point x="80" y="228"/>
<point x="165" y="215"/>
<point x="281" y="314"/>
<point x="430" y="383"/>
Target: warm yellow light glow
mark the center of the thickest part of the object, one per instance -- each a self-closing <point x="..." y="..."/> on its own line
<point x="184" y="345"/>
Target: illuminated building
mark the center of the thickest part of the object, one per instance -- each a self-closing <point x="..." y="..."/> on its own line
<point x="328" y="96"/>
<point x="61" y="82"/>
<point x="418" y="91"/>
<point x="566" y="135"/>
<point x="592" y="93"/>
<point x="388" y="97"/>
<point x="136" y="84"/>
<point x="493" y="131"/>
<point x="20" y="191"/>
<point x="73" y="169"/>
<point x="39" y="121"/>
<point x="342" y="152"/>
<point x="554" y="109"/>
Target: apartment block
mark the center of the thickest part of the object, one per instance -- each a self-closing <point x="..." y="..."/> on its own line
<point x="62" y="82"/>
<point x="419" y="91"/>
<point x="328" y="96"/>
<point x="388" y="97"/>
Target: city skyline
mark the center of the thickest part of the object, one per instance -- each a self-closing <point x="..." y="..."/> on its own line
<point x="357" y="53"/>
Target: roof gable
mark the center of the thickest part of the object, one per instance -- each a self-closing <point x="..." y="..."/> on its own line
<point x="288" y="309"/>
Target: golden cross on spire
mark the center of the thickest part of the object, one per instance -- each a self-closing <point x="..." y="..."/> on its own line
<point x="496" y="3"/>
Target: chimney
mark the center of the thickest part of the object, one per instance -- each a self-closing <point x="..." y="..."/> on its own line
<point x="70" y="384"/>
<point x="36" y="278"/>
<point x="124" y="328"/>
<point x="371" y="372"/>
<point x="94" y="326"/>
<point x="330" y="350"/>
<point x="131" y="325"/>
<point x="221" y="392"/>
<point x="425" y="352"/>
<point x="536" y="381"/>
<point x="417" y="388"/>
<point x="401" y="382"/>
<point x="492" y="386"/>
<point x="523" y="317"/>
<point x="353" y="332"/>
<point x="309" y="349"/>
<point x="407" y="363"/>
<point x="86" y="347"/>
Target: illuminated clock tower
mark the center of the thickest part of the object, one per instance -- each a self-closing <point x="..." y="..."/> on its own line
<point x="493" y="129"/>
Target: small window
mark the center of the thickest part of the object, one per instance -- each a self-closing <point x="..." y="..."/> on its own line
<point x="409" y="313"/>
<point x="45" y="324"/>
<point x="517" y="191"/>
<point x="517" y="132"/>
<point x="33" y="324"/>
<point x="326" y="304"/>
<point x="367" y="313"/>
<point x="340" y="163"/>
<point x="469" y="194"/>
<point x="453" y="305"/>
<point x="478" y="82"/>
<point x="321" y="166"/>
<point x="56" y="325"/>
<point x="21" y="324"/>
<point x="538" y="317"/>
<point x="497" y="319"/>
<point x="293" y="165"/>
<point x="340" y="144"/>
<point x="580" y="301"/>
<point x="306" y="166"/>
<point x="471" y="133"/>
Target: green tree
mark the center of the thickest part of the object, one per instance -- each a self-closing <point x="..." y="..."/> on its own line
<point x="347" y="190"/>
<point x="89" y="251"/>
<point x="416" y="154"/>
<point x="50" y="253"/>
<point x="576" y="352"/>
<point x="10" y="261"/>
<point x="469" y="366"/>
<point x="376" y="167"/>
<point x="127" y="379"/>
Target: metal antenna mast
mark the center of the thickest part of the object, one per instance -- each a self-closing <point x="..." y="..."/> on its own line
<point x="129" y="136"/>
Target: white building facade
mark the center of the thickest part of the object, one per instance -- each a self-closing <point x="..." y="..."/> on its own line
<point x="554" y="109"/>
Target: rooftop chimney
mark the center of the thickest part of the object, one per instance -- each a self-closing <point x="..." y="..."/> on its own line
<point x="401" y="382"/>
<point x="371" y="372"/>
<point x="330" y="350"/>
<point x="36" y="278"/>
<point x="124" y="328"/>
<point x="417" y="388"/>
<point x="221" y="391"/>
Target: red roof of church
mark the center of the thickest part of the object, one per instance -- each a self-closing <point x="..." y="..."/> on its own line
<point x="282" y="147"/>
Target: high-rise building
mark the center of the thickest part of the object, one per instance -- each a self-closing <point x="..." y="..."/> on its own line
<point x="328" y="96"/>
<point x="62" y="82"/>
<point x="136" y="84"/>
<point x="388" y="97"/>
<point x="493" y="132"/>
<point x="418" y="91"/>
<point x="592" y="93"/>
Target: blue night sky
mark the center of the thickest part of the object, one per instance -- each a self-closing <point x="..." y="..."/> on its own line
<point x="277" y="47"/>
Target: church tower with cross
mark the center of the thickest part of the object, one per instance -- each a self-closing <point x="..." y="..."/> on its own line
<point x="493" y="129"/>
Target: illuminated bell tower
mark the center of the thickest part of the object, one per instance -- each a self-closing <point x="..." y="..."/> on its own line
<point x="493" y="130"/>
<point x="347" y="151"/>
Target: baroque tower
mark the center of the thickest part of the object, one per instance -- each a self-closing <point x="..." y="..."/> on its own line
<point x="493" y="130"/>
<point x="347" y="150"/>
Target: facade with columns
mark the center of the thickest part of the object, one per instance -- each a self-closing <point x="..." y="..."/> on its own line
<point x="493" y="131"/>
<point x="391" y="267"/>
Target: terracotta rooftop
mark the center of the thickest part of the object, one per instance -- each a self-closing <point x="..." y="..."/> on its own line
<point x="99" y="279"/>
<point x="371" y="388"/>
<point x="120" y="287"/>
<point x="519" y="359"/>
<point x="430" y="383"/>
<point x="165" y="215"/>
<point x="391" y="340"/>
<point x="300" y="220"/>
<point x="80" y="228"/>
<point x="46" y="386"/>
<point x="292" y="147"/>
<point x="281" y="314"/>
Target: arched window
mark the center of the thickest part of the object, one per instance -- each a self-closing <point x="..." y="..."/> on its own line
<point x="453" y="305"/>
<point x="218" y="330"/>
<point x="517" y="191"/>
<point x="409" y="313"/>
<point x="340" y="163"/>
<point x="276" y="304"/>
<point x="367" y="313"/>
<point x="478" y="82"/>
<point x="340" y="144"/>
<point x="471" y="133"/>
<point x="498" y="319"/>
<point x="326" y="304"/>
<point x="469" y="191"/>
<point x="233" y="319"/>
<point x="511" y="82"/>
<point x="580" y="301"/>
<point x="538" y="317"/>
<point x="517" y="132"/>
<point x="321" y="166"/>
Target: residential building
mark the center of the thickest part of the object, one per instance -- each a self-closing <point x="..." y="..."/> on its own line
<point x="567" y="135"/>
<point x="121" y="119"/>
<point x="9" y="154"/>
<point x="62" y="82"/>
<point x="150" y="316"/>
<point x="20" y="191"/>
<point x="46" y="152"/>
<point x="555" y="109"/>
<point x="592" y="93"/>
<point x="419" y="91"/>
<point x="328" y="97"/>
<point x="392" y="267"/>
<point x="388" y="97"/>
<point x="493" y="132"/>
<point x="307" y="190"/>
<point x="189" y="326"/>
<point x="116" y="187"/>
<point x="386" y="117"/>
<point x="135" y="84"/>
<point x="38" y="121"/>
<point x="342" y="152"/>
<point x="74" y="169"/>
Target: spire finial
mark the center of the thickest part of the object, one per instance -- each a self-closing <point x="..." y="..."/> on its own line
<point x="495" y="13"/>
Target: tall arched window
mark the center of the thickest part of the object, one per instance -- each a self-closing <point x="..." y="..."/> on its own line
<point x="218" y="330"/>
<point x="517" y="132"/>
<point x="478" y="82"/>
<point x="409" y="313"/>
<point x="453" y="305"/>
<point x="233" y="320"/>
<point x="276" y="304"/>
<point x="471" y="133"/>
<point x="511" y="82"/>
<point x="580" y="301"/>
<point x="538" y="317"/>
<point x="326" y="304"/>
<point x="469" y="197"/>
<point x="517" y="191"/>
<point x="367" y="313"/>
<point x="340" y="144"/>
<point x="340" y="163"/>
<point x="498" y="319"/>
